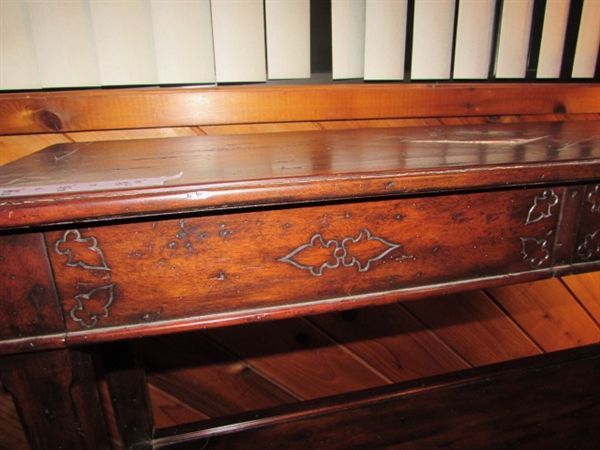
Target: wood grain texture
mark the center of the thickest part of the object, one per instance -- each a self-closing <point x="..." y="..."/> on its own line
<point x="586" y="288"/>
<point x="147" y="108"/>
<point x="299" y="356"/>
<point x="278" y="168"/>
<point x="498" y="406"/>
<point x="29" y="318"/>
<point x="391" y="340"/>
<point x="63" y="381"/>
<point x="472" y="325"/>
<point x="553" y="322"/>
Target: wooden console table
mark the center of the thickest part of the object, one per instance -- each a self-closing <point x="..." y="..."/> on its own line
<point x="104" y="242"/>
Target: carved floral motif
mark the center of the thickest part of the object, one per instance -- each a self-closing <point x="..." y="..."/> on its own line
<point x="320" y="254"/>
<point x="80" y="251"/>
<point x="535" y="251"/>
<point x="93" y="305"/>
<point x="590" y="248"/>
<point x="594" y="198"/>
<point x="84" y="252"/>
<point x="542" y="206"/>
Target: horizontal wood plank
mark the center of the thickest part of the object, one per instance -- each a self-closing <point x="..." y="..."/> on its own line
<point x="492" y="407"/>
<point x="66" y="111"/>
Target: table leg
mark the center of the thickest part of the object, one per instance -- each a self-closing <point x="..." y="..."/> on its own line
<point x="56" y="395"/>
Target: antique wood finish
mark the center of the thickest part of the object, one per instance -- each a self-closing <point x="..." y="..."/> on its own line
<point x="30" y="318"/>
<point x="399" y="225"/>
<point x="347" y="223"/>
<point x="56" y="395"/>
<point x="498" y="406"/>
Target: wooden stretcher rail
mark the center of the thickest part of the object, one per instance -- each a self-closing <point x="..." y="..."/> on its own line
<point x="499" y="406"/>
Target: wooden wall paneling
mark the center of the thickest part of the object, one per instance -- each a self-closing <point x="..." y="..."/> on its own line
<point x="501" y="406"/>
<point x="17" y="146"/>
<point x="391" y="340"/>
<point x="254" y="128"/>
<point x="586" y="288"/>
<point x="170" y="411"/>
<point x="207" y="377"/>
<point x="474" y="326"/>
<point x="146" y="133"/>
<point x="299" y="356"/>
<point x="159" y="108"/>
<point x="548" y="313"/>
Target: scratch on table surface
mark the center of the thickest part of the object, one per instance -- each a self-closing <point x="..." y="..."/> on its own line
<point x="16" y="191"/>
<point x="497" y="141"/>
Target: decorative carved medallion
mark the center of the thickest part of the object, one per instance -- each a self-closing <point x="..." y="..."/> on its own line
<point x="594" y="198"/>
<point x="590" y="248"/>
<point x="535" y="251"/>
<point x="93" y="305"/>
<point x="542" y="206"/>
<point x="80" y="251"/>
<point x="320" y="254"/>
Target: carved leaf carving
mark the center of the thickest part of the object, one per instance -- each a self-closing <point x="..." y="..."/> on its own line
<point x="535" y="251"/>
<point x="93" y="305"/>
<point x="80" y="251"/>
<point x="365" y="249"/>
<point x="320" y="254"/>
<point x="590" y="248"/>
<point x="542" y="206"/>
<point x="594" y="198"/>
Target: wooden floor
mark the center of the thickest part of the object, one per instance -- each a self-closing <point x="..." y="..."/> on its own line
<point x="215" y="373"/>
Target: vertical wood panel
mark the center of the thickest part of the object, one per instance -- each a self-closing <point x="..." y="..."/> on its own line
<point x="299" y="356"/>
<point x="553" y="38"/>
<point x="391" y="340"/>
<point x="348" y="38"/>
<point x="239" y="40"/>
<point x="385" y="39"/>
<point x="475" y="327"/>
<point x="432" y="39"/>
<point x="586" y="287"/>
<point x="549" y="314"/>
<point x="124" y="42"/>
<point x="588" y="40"/>
<point x="474" y="39"/>
<point x="513" y="45"/>
<point x="183" y="41"/>
<point x="18" y="66"/>
<point x="288" y="38"/>
<point x="64" y="43"/>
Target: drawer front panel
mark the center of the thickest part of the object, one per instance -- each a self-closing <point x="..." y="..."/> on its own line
<point x="197" y="266"/>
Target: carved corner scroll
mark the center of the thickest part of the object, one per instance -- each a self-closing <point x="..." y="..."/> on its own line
<point x="361" y="251"/>
<point x="536" y="250"/>
<point x="85" y="253"/>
